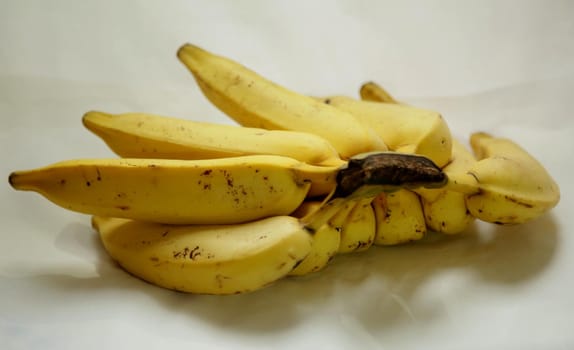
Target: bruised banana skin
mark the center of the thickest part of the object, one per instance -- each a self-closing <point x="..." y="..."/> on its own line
<point x="254" y="101"/>
<point x="445" y="211"/>
<point x="399" y="217"/>
<point x="141" y="135"/>
<point x="206" y="259"/>
<point x="506" y="185"/>
<point x="216" y="191"/>
<point x="404" y="128"/>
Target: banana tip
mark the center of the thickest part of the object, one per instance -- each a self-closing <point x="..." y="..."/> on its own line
<point x="22" y="181"/>
<point x="13" y="180"/>
<point x="184" y="49"/>
<point x="191" y="55"/>
<point x="86" y="118"/>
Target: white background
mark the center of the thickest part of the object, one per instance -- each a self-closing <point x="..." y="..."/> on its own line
<point x="505" y="67"/>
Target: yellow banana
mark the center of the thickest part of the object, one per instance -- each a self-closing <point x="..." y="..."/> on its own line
<point x="254" y="101"/>
<point x="506" y="185"/>
<point x="399" y="218"/>
<point x="219" y="259"/>
<point x="216" y="191"/>
<point x="359" y="228"/>
<point x="371" y="91"/>
<point x="445" y="211"/>
<point x="206" y="259"/>
<point x="139" y="135"/>
<point x="405" y="129"/>
<point x="213" y="191"/>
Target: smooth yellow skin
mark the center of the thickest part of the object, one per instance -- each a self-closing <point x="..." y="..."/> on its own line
<point x="141" y="135"/>
<point x="254" y="101"/>
<point x="399" y="218"/>
<point x="216" y="191"/>
<point x="445" y="211"/>
<point x="206" y="259"/>
<point x="405" y="129"/>
<point x="514" y="186"/>
<point x="359" y="228"/>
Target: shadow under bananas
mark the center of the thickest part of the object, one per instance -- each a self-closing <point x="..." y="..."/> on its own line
<point x="383" y="288"/>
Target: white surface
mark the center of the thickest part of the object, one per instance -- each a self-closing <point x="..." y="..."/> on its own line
<point x="501" y="66"/>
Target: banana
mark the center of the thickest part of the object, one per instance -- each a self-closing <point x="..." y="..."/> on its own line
<point x="506" y="185"/>
<point x="405" y="129"/>
<point x="359" y="228"/>
<point x="217" y="191"/>
<point x="445" y="211"/>
<point x="221" y="259"/>
<point x="371" y="91"/>
<point x="206" y="259"/>
<point x="254" y="101"/>
<point x="399" y="217"/>
<point x="140" y="135"/>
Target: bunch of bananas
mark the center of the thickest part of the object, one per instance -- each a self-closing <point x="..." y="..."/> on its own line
<point x="221" y="209"/>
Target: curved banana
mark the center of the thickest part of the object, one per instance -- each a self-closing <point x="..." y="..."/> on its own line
<point x="359" y="228"/>
<point x="219" y="259"/>
<point x="371" y="91"/>
<point x="399" y="218"/>
<point x="506" y="185"/>
<point x="217" y="191"/>
<point x="140" y="135"/>
<point x="254" y="101"/>
<point x="445" y="211"/>
<point x="405" y="129"/>
<point x="206" y="259"/>
<point x="213" y="191"/>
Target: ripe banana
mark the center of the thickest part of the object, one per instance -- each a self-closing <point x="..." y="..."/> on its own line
<point x="139" y="135"/>
<point x="399" y="218"/>
<point x="254" y="101"/>
<point x="445" y="211"/>
<point x="405" y="129"/>
<point x="359" y="228"/>
<point x="371" y="91"/>
<point x="212" y="191"/>
<point x="506" y="185"/>
<point x="206" y="259"/>
<point x="215" y="191"/>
